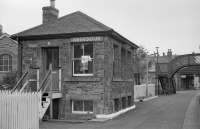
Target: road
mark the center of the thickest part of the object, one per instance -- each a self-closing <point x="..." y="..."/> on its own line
<point x="179" y="111"/>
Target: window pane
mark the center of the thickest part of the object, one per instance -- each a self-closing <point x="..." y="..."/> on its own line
<point x="88" y="49"/>
<point x="78" y="105"/>
<point x="5" y="62"/>
<point x="1" y="68"/>
<point x="88" y="105"/>
<point x="10" y="67"/>
<point x="89" y="70"/>
<point x="115" y="61"/>
<point x="10" y="60"/>
<point x="123" y="102"/>
<point x="5" y="68"/>
<point x="1" y="62"/>
<point x="78" y="50"/>
<point x="116" y="104"/>
<point x="129" y="100"/>
<point x="6" y="57"/>
<point x="78" y="67"/>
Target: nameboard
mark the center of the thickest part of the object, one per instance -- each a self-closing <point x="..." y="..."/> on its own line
<point x="86" y="39"/>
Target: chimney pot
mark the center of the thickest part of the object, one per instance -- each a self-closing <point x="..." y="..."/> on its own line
<point x="163" y="54"/>
<point x="52" y="3"/>
<point x="169" y="53"/>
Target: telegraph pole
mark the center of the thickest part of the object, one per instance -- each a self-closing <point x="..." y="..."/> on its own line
<point x="157" y="85"/>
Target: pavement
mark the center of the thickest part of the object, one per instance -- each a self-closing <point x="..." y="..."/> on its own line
<point x="179" y="111"/>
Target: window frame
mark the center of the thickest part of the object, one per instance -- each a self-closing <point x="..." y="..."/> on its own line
<point x="9" y="65"/>
<point x="83" y="110"/>
<point x="73" y="59"/>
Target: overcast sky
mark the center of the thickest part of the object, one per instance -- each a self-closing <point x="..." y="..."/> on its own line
<point x="168" y="24"/>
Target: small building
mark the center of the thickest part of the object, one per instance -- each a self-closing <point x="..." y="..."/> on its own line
<point x="8" y="56"/>
<point x="96" y="63"/>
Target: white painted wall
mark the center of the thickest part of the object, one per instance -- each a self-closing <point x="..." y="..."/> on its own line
<point x="140" y="91"/>
<point x="196" y="82"/>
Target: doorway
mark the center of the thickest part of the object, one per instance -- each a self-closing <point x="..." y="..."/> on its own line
<point x="56" y="108"/>
<point x="50" y="56"/>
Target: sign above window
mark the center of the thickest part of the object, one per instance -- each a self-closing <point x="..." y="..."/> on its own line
<point x="86" y="39"/>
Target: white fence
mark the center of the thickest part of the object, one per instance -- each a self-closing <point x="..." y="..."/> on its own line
<point x="19" y="110"/>
<point x="141" y="91"/>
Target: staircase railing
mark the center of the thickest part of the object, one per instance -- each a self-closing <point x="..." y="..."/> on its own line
<point x="43" y="85"/>
<point x="20" y="81"/>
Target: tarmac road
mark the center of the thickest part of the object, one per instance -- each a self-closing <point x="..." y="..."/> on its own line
<point x="179" y="111"/>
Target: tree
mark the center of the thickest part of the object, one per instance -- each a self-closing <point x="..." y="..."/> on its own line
<point x="9" y="80"/>
<point x="141" y="61"/>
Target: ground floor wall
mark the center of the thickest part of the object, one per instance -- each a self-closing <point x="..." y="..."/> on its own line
<point x="82" y="100"/>
<point x="85" y="100"/>
<point x="122" y="95"/>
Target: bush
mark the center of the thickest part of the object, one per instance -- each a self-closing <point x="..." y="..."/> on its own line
<point x="9" y="80"/>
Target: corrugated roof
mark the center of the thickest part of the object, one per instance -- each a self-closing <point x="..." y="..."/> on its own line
<point x="73" y="23"/>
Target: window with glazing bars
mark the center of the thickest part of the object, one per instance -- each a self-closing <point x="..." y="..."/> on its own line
<point x="83" y="59"/>
<point x="5" y="63"/>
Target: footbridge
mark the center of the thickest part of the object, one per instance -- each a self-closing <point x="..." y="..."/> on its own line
<point x="166" y="71"/>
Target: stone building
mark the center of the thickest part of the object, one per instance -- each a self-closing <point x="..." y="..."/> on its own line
<point x="8" y="55"/>
<point x="96" y="63"/>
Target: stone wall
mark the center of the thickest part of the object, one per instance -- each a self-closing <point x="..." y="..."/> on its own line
<point x="123" y="84"/>
<point x="102" y="88"/>
<point x="84" y="88"/>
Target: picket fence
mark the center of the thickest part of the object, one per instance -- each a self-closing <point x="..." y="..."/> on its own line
<point x="19" y="110"/>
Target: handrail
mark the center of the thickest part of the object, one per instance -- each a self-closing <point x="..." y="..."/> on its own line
<point x="20" y="80"/>
<point x="25" y="84"/>
<point x="44" y="80"/>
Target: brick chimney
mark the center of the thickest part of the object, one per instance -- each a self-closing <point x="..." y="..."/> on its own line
<point x="1" y="29"/>
<point x="50" y="13"/>
<point x="169" y="53"/>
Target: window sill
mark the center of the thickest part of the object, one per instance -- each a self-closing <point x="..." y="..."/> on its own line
<point x="81" y="112"/>
<point x="121" y="80"/>
<point x="5" y="71"/>
<point x="82" y="79"/>
<point x="83" y="75"/>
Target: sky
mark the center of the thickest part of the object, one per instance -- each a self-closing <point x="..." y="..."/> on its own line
<point x="167" y="24"/>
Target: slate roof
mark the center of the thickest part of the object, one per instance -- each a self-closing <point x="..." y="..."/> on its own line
<point x="73" y="23"/>
<point x="165" y="59"/>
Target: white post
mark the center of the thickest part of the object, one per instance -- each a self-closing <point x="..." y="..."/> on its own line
<point x="198" y="82"/>
<point x="51" y="87"/>
<point x="38" y="79"/>
<point x="60" y="76"/>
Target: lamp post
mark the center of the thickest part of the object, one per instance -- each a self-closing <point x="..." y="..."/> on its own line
<point x="157" y="70"/>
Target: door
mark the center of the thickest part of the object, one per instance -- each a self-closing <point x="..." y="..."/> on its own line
<point x="55" y="108"/>
<point x="50" y="56"/>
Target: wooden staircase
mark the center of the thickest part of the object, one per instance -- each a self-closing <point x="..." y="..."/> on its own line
<point x="48" y="89"/>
